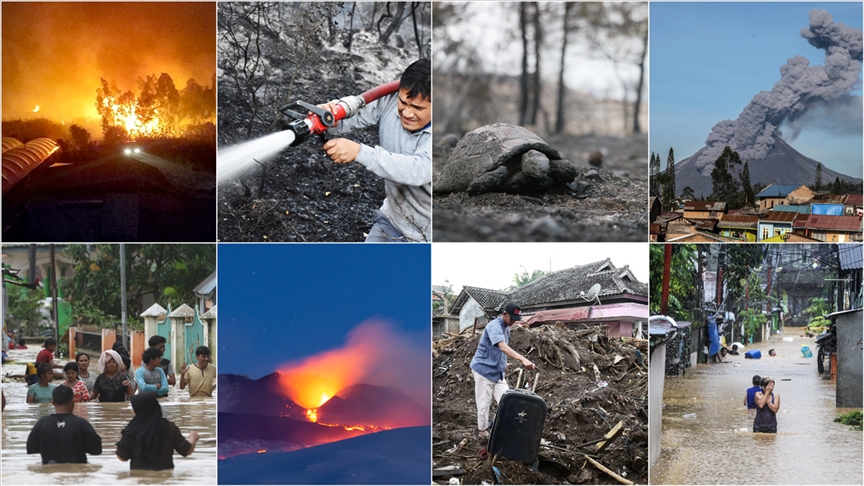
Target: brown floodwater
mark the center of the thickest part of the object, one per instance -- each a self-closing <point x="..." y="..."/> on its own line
<point x="190" y="414"/>
<point x="717" y="445"/>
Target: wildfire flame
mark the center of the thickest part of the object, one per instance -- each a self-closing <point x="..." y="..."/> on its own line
<point x="126" y="115"/>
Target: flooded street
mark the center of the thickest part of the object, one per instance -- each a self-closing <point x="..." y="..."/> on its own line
<point x="717" y="445"/>
<point x="108" y="419"/>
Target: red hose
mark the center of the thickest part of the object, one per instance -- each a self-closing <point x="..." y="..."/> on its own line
<point x="379" y="91"/>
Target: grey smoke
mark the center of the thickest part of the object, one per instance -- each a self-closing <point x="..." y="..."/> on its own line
<point x="800" y="88"/>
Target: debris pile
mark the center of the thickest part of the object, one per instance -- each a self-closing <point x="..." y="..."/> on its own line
<point x="592" y="386"/>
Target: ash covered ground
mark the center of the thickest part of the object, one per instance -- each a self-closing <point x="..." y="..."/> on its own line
<point x="306" y="197"/>
<point x="578" y="410"/>
<point x="610" y="206"/>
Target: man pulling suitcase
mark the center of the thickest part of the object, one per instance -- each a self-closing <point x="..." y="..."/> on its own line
<point x="490" y="363"/>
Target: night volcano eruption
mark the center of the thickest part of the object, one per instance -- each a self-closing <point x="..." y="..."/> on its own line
<point x="802" y="88"/>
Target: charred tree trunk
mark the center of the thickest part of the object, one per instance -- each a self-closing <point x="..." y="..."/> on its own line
<point x="559" y="112"/>
<point x="351" y="27"/>
<point x="637" y="128"/>
<point x="398" y="17"/>
<point x="414" y="6"/>
<point x="537" y="86"/>
<point x="523" y="80"/>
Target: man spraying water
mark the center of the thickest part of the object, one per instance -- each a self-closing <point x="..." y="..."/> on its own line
<point x="404" y="158"/>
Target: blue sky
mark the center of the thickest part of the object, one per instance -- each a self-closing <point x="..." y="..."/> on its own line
<point x="279" y="303"/>
<point x="708" y="60"/>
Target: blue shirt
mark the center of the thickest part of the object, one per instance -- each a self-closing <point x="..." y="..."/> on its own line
<point x="147" y="380"/>
<point x="489" y="361"/>
<point x="751" y="396"/>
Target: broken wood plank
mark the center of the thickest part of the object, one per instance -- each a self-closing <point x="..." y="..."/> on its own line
<point x="610" y="437"/>
<point x="608" y="471"/>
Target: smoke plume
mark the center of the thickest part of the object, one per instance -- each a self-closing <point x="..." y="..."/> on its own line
<point x="375" y="353"/>
<point x="800" y="88"/>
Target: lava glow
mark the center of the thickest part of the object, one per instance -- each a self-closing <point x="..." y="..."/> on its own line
<point x="312" y="415"/>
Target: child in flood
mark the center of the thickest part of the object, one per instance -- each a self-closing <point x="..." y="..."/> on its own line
<point x="79" y="388"/>
<point x="767" y="404"/>
<point x="40" y="392"/>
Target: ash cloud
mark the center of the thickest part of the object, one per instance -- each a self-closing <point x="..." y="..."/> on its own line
<point x="801" y="88"/>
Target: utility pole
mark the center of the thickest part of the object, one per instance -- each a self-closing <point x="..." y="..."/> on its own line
<point x="123" y="294"/>
<point x="667" y="264"/>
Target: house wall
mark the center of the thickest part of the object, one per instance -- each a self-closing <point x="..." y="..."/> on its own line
<point x="849" y="359"/>
<point x="802" y="194"/>
<point x="770" y="202"/>
<point x="656" y="379"/>
<point x="469" y="312"/>
<point x="831" y="236"/>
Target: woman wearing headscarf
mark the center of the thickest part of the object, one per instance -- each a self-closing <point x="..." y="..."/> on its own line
<point x="111" y="385"/>
<point x="150" y="440"/>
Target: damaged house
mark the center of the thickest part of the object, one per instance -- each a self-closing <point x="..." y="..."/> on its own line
<point x="618" y="300"/>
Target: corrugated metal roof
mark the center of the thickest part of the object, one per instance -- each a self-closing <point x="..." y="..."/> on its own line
<point x="778" y="190"/>
<point x="850" y="256"/>
<point x="738" y="221"/>
<point x="794" y="208"/>
<point x="842" y="223"/>
<point x="778" y="217"/>
<point x="855" y="199"/>
<point x="704" y="206"/>
<point x="206" y="286"/>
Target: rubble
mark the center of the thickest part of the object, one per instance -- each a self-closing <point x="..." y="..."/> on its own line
<point x="573" y="365"/>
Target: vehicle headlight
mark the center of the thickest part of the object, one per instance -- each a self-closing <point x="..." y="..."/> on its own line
<point x="127" y="151"/>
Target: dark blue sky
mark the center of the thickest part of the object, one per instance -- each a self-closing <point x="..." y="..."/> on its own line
<point x="284" y="302"/>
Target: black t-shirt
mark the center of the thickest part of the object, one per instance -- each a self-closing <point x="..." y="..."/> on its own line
<point x="173" y="440"/>
<point x="63" y="438"/>
<point x="110" y="389"/>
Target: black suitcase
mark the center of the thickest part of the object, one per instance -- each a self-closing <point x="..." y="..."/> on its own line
<point x="518" y="425"/>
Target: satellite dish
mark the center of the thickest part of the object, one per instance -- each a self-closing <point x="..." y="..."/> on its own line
<point x="592" y="294"/>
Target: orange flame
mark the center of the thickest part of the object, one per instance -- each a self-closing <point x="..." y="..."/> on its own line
<point x="262" y="451"/>
<point x="312" y="415"/>
<point x="126" y="115"/>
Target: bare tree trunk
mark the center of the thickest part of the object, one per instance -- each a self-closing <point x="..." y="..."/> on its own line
<point x="394" y="23"/>
<point x="351" y="26"/>
<point x="414" y="6"/>
<point x="374" y="11"/>
<point x="538" y="41"/>
<point x="636" y="127"/>
<point x="523" y="80"/>
<point x="559" y="112"/>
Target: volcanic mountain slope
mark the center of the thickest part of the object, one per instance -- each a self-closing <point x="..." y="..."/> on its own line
<point x="398" y="456"/>
<point x="373" y="405"/>
<point x="782" y="165"/>
<point x="243" y="395"/>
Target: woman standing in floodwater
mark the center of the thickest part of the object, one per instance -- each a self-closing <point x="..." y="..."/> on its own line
<point x="150" y="440"/>
<point x="767" y="404"/>
<point x="112" y="385"/>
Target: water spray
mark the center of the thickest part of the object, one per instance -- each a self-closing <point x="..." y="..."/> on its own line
<point x="319" y="119"/>
<point x="233" y="161"/>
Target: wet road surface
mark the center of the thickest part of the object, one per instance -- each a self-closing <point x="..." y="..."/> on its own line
<point x="108" y="419"/>
<point x="717" y="445"/>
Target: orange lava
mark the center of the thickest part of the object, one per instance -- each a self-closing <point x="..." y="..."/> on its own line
<point x="312" y="415"/>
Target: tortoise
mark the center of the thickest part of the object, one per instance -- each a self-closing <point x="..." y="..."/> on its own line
<point x="504" y="158"/>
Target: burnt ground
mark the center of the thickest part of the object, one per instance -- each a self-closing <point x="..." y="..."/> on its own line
<point x="610" y="206"/>
<point x="307" y="197"/>
<point x="570" y="365"/>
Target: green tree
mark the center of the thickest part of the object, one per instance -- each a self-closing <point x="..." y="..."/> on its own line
<point x="740" y="262"/>
<point x="654" y="172"/>
<point x="683" y="300"/>
<point x="687" y="193"/>
<point x="523" y="278"/>
<point x="167" y="272"/>
<point x="817" y="311"/>
<point x="746" y="188"/>
<point x="723" y="183"/>
<point x="668" y="198"/>
<point x="753" y="319"/>
<point x="817" y="183"/>
<point x="25" y="309"/>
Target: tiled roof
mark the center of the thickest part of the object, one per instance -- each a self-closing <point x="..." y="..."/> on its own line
<point x="566" y="285"/>
<point x="488" y="299"/>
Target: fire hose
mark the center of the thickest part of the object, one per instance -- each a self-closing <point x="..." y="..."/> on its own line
<point x="320" y="119"/>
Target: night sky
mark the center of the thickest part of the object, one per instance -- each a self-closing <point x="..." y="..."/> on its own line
<point x="282" y="303"/>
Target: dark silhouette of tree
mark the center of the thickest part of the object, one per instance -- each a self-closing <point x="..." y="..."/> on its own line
<point x="80" y="136"/>
<point x="523" y="78"/>
<point x="536" y="81"/>
<point x="668" y="198"/>
<point x="687" y="194"/>
<point x="749" y="197"/>
<point x="396" y="20"/>
<point x="559" y="110"/>
<point x="723" y="183"/>
<point x="654" y="173"/>
<point x="817" y="183"/>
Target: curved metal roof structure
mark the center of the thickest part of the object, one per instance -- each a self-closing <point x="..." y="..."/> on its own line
<point x="11" y="142"/>
<point x="21" y="160"/>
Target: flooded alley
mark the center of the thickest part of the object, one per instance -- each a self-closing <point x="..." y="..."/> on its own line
<point x="707" y="433"/>
<point x="108" y="419"/>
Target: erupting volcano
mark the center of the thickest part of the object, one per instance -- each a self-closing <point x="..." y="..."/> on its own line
<point x="369" y="385"/>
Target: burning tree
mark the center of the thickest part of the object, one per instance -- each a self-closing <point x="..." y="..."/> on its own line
<point x="160" y="110"/>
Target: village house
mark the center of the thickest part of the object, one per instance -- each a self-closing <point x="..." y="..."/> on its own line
<point x="833" y="229"/>
<point x="741" y="227"/>
<point x="780" y="194"/>
<point x="563" y="296"/>
<point x="775" y="223"/>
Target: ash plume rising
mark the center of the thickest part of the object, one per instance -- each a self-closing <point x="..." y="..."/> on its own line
<point x="800" y="88"/>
